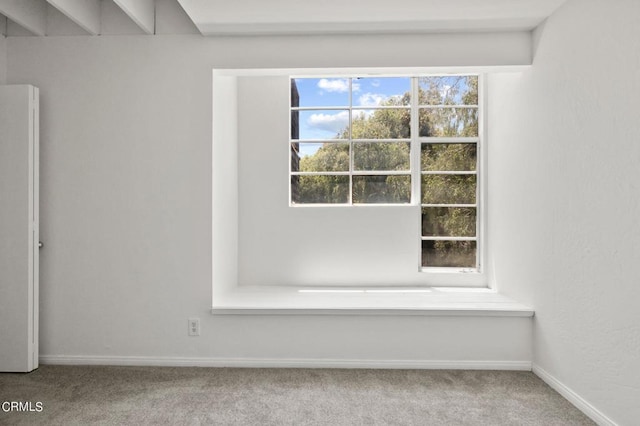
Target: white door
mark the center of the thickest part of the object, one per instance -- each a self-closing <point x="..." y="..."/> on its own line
<point x="19" y="231"/>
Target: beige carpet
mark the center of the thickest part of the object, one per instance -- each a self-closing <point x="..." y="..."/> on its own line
<point x="88" y="395"/>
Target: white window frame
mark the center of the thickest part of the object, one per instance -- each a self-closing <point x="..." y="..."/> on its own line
<point x="480" y="204"/>
<point x="352" y="171"/>
<point x="447" y="276"/>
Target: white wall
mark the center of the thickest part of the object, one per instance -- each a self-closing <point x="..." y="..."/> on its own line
<point x="126" y="193"/>
<point x="3" y="49"/>
<point x="3" y="59"/>
<point x="564" y="165"/>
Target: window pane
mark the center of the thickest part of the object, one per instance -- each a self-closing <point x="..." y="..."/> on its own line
<point x="448" y="222"/>
<point x="381" y="91"/>
<point x="319" y="189"/>
<point x="320" y="124"/>
<point x="393" y="123"/>
<point x="459" y="254"/>
<point x="448" y="122"/>
<point x="448" y="156"/>
<point x="449" y="90"/>
<point x="448" y="189"/>
<point x="382" y="189"/>
<point x="315" y="92"/>
<point x="319" y="157"/>
<point x="381" y="156"/>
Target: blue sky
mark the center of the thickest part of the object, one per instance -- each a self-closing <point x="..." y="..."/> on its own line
<point x="326" y="92"/>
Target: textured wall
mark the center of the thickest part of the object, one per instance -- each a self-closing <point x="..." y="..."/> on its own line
<point x="3" y="59"/>
<point x="564" y="171"/>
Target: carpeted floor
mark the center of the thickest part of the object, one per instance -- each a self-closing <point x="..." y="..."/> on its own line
<point x="88" y="395"/>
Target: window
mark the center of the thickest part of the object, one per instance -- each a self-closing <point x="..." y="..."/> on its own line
<point x="351" y="141"/>
<point x="449" y="139"/>
<point x="394" y="141"/>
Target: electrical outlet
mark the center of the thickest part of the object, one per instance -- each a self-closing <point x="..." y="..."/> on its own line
<point x="194" y="326"/>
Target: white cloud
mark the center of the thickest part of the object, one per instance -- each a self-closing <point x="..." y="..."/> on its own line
<point x="371" y="99"/>
<point x="339" y="85"/>
<point x="329" y="122"/>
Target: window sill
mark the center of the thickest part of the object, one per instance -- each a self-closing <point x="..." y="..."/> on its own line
<point x="427" y="301"/>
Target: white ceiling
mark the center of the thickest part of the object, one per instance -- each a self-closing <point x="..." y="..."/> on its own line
<point x="213" y="17"/>
<point x="258" y="17"/>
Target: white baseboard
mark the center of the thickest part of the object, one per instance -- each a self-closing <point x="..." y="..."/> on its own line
<point x="583" y="405"/>
<point x="283" y="363"/>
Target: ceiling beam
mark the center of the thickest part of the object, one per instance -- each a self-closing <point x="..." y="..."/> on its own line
<point x="30" y="14"/>
<point x="142" y="12"/>
<point x="185" y="6"/>
<point x="85" y="13"/>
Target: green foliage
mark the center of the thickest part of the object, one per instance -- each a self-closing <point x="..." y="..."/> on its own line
<point x="381" y="156"/>
<point x="382" y="189"/>
<point x="331" y="157"/>
<point x="448" y="189"/>
<point x="321" y="189"/>
<point x="445" y="120"/>
<point x="460" y="254"/>
<point x="449" y="221"/>
<point x="381" y="124"/>
<point x="448" y="156"/>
